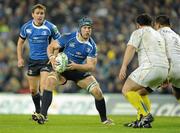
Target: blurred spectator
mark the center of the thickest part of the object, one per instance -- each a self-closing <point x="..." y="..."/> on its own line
<point x="114" y="21"/>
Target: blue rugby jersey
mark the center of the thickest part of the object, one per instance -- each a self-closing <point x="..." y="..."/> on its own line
<point x="75" y="50"/>
<point x="39" y="38"/>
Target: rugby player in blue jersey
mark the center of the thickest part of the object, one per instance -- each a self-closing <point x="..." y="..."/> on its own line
<point x="39" y="33"/>
<point x="81" y="51"/>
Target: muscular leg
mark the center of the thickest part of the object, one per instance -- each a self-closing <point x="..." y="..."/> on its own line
<point x="144" y="95"/>
<point x="92" y="86"/>
<point x="51" y="83"/>
<point x="34" y="89"/>
<point x="130" y="91"/>
<point x="43" y="80"/>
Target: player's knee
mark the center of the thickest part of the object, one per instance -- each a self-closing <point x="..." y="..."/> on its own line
<point x="124" y="91"/>
<point x="51" y="83"/>
<point x="143" y="92"/>
<point x="97" y="93"/>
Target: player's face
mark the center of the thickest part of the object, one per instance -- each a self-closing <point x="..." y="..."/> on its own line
<point x="38" y="15"/>
<point x="86" y="31"/>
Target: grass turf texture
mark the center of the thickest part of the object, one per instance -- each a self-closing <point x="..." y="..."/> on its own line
<point x="83" y="124"/>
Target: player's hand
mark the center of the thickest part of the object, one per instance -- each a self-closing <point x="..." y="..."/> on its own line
<point x="53" y="61"/>
<point x="20" y="63"/>
<point x="71" y="66"/>
<point x="122" y="73"/>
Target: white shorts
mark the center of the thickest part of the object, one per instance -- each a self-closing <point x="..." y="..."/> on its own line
<point x="148" y="76"/>
<point x="174" y="75"/>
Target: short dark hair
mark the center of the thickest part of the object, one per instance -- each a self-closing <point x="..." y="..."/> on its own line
<point x="38" y="6"/>
<point x="144" y="19"/>
<point x="163" y="20"/>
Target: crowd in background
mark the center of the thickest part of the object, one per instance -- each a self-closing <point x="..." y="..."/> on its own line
<point x="113" y="24"/>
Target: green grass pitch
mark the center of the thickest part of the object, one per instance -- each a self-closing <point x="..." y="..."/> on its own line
<point x="83" y="124"/>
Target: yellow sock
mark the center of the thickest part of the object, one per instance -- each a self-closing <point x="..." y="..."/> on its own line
<point x="147" y="102"/>
<point x="135" y="99"/>
<point x="138" y="115"/>
<point x="54" y="92"/>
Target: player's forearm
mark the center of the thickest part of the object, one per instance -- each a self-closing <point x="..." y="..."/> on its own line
<point x="128" y="56"/>
<point x="19" y="49"/>
<point x="53" y="49"/>
<point x="19" y="53"/>
<point x="50" y="51"/>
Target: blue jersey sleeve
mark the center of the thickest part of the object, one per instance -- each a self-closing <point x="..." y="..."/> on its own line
<point x="23" y="33"/>
<point x="55" y="32"/>
<point x="63" y="40"/>
<point x="93" y="52"/>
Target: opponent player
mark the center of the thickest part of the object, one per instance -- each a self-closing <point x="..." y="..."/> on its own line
<point x="172" y="41"/>
<point x="39" y="33"/>
<point x="152" y="70"/>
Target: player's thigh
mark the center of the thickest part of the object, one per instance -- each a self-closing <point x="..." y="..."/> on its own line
<point x="131" y="85"/>
<point x="53" y="80"/>
<point x="33" y="83"/>
<point x="174" y="75"/>
<point x="43" y="79"/>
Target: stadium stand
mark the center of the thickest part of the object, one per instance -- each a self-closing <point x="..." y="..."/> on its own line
<point x="113" y="25"/>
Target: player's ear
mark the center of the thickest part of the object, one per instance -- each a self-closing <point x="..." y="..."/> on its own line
<point x="32" y="14"/>
<point x="137" y="26"/>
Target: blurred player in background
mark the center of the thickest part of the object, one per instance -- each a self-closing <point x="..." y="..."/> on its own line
<point x="172" y="41"/>
<point x="152" y="70"/>
<point x="39" y="33"/>
<point x="81" y="51"/>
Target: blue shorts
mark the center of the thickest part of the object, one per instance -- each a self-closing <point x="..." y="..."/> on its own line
<point x="37" y="66"/>
<point x="75" y="75"/>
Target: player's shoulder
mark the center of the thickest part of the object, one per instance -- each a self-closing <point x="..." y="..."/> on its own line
<point x="92" y="42"/>
<point x="165" y="30"/>
<point x="46" y="22"/>
<point x="69" y="35"/>
<point x="137" y="32"/>
<point x="146" y="30"/>
<point x="27" y="24"/>
<point x="168" y="31"/>
<point x="49" y="24"/>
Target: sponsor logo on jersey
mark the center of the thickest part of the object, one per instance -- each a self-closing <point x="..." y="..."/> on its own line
<point x="88" y="50"/>
<point x="55" y="29"/>
<point x="78" y="53"/>
<point x="44" y="33"/>
<point x="72" y="44"/>
<point x="29" y="31"/>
